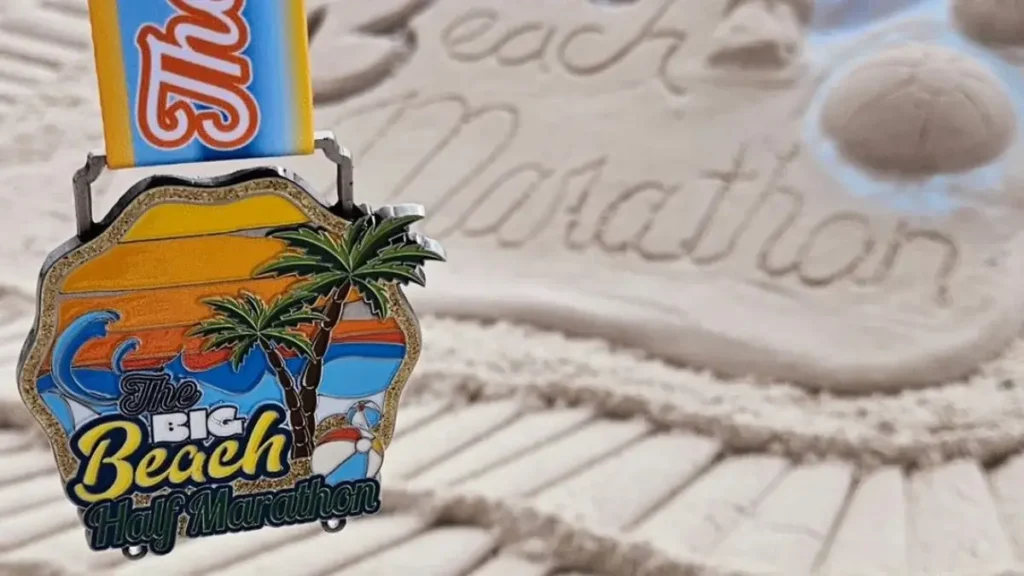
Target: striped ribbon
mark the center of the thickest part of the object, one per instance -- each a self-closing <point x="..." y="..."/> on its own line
<point x="202" y="80"/>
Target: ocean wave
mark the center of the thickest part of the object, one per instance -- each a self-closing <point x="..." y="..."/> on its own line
<point x="351" y="370"/>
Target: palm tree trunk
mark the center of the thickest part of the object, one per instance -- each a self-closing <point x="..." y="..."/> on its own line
<point x="301" y="445"/>
<point x="313" y="373"/>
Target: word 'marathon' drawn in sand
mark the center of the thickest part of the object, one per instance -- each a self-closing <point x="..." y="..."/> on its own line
<point x="586" y="207"/>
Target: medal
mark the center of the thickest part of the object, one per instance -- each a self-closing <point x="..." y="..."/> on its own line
<point x="226" y="354"/>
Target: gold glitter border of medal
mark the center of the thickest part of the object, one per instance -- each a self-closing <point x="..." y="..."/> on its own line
<point x="54" y="277"/>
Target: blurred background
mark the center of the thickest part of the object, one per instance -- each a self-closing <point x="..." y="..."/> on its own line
<point x="734" y="285"/>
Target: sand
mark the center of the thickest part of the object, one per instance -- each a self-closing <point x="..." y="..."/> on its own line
<point x="756" y="344"/>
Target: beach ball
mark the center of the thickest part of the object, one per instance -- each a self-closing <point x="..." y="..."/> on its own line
<point x="364" y="415"/>
<point x="347" y="454"/>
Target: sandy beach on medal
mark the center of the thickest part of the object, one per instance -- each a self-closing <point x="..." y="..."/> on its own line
<point x="736" y="286"/>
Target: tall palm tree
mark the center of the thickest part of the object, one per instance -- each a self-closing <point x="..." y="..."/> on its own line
<point x="245" y="323"/>
<point x="376" y="250"/>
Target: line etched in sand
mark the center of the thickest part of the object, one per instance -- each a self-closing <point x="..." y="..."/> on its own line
<point x="75" y="553"/>
<point x="204" y="555"/>
<point x="515" y="439"/>
<point x="507" y="565"/>
<point x="619" y="490"/>
<point x="415" y="416"/>
<point x="321" y="552"/>
<point x="954" y="525"/>
<point x="29" y="493"/>
<point x="26" y="464"/>
<point x="29" y="525"/>
<point x="872" y="536"/>
<point x="699" y="518"/>
<point x="791" y="525"/>
<point x="555" y="460"/>
<point x="443" y="551"/>
<point x="446" y="434"/>
<point x="1007" y="481"/>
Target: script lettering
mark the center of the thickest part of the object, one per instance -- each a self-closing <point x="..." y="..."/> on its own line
<point x="115" y="456"/>
<point x="588" y="207"/>
<point x="195" y="60"/>
<point x="479" y="35"/>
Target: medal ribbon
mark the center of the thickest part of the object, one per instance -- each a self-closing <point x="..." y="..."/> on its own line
<point x="202" y="80"/>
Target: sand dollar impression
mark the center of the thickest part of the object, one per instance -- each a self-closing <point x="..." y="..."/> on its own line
<point x="920" y="110"/>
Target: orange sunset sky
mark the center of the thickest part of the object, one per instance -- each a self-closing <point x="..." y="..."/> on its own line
<point x="175" y="256"/>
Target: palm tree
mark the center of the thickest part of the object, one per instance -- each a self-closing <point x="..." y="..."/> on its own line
<point x="245" y="323"/>
<point x="375" y="250"/>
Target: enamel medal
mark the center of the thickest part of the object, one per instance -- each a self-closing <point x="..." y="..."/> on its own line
<point x="219" y="355"/>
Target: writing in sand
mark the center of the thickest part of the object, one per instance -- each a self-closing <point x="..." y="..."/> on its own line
<point x="701" y="218"/>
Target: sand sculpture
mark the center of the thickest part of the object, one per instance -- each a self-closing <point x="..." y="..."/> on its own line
<point x="690" y="179"/>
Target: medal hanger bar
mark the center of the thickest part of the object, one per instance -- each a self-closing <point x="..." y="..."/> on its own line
<point x="96" y="163"/>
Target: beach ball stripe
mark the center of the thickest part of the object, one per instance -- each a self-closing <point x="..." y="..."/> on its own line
<point x="364" y="414"/>
<point x="346" y="454"/>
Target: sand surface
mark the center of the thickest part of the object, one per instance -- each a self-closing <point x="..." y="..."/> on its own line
<point x="816" y="213"/>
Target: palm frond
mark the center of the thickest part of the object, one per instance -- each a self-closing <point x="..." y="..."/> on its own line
<point x="320" y="286"/>
<point x="293" y="341"/>
<point x="293" y="264"/>
<point x="344" y="245"/>
<point x="214" y="328"/>
<point x="300" y="317"/>
<point x="356" y="231"/>
<point x="375" y="296"/>
<point x="233" y="310"/>
<point x="410" y="253"/>
<point x="256" y="307"/>
<point x="317" y="244"/>
<point x="383" y="233"/>
<point x="283" y="307"/>
<point x="399" y="273"/>
<point x="242" y="350"/>
<point x="223" y="341"/>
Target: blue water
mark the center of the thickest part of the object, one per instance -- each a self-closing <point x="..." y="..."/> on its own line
<point x="350" y="371"/>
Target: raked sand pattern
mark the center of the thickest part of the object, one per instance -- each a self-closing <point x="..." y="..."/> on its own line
<point x="710" y="198"/>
